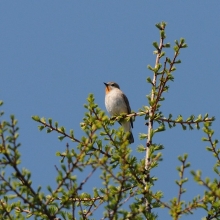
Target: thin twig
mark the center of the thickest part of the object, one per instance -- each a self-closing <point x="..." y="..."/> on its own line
<point x="150" y="121"/>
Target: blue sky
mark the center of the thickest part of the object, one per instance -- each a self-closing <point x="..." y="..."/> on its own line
<point x="54" y="53"/>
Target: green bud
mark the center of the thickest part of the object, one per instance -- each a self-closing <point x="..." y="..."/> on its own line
<point x="141" y="148"/>
<point x="43" y="120"/>
<point x="56" y="124"/>
<point x="178" y="61"/>
<point x="162" y="54"/>
<point x="150" y="68"/>
<point x="205" y="139"/>
<point x="167" y="45"/>
<point x="149" y="80"/>
<point x="49" y="130"/>
<point x="158" y="26"/>
<point x="50" y="121"/>
<point x="176" y="48"/>
<point x="182" y="40"/>
<point x="143" y="136"/>
<point x="155" y="44"/>
<point x="71" y="133"/>
<point x="62" y="129"/>
<point x="35" y="118"/>
<point x="162" y="34"/>
<point x="41" y="127"/>
<point x="61" y="137"/>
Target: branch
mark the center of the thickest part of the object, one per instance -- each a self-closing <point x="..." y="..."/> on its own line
<point x="61" y="131"/>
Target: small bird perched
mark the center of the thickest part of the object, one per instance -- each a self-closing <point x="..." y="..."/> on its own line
<point x="116" y="103"/>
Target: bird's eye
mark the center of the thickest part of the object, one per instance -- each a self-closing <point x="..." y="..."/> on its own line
<point x="112" y="84"/>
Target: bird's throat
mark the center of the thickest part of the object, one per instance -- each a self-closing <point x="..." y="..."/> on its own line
<point x="107" y="90"/>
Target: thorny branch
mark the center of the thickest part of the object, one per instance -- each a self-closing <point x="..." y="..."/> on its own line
<point x="150" y="121"/>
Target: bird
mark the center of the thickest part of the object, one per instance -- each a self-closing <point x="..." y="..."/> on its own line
<point x="116" y="103"/>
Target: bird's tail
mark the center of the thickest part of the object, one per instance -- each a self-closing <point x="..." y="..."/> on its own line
<point x="131" y="138"/>
<point x="127" y="128"/>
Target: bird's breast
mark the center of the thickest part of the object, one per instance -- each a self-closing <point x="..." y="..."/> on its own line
<point x="115" y="103"/>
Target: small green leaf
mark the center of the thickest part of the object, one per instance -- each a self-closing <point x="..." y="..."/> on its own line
<point x="50" y="121"/>
<point x="168" y="60"/>
<point x="149" y="80"/>
<point x="41" y="127"/>
<point x="61" y="137"/>
<point x="173" y="68"/>
<point x="49" y="130"/>
<point x="162" y="34"/>
<point x="197" y="126"/>
<point x="190" y="127"/>
<point x="182" y="40"/>
<point x="205" y="139"/>
<point x="162" y="54"/>
<point x="56" y="124"/>
<point x="167" y="45"/>
<point x="187" y="165"/>
<point x="158" y="26"/>
<point x="179" y="118"/>
<point x="183" y="127"/>
<point x="141" y="148"/>
<point x="184" y="46"/>
<point x="142" y="136"/>
<point x="49" y="189"/>
<point x="176" y="48"/>
<point x="62" y="129"/>
<point x="71" y="133"/>
<point x="180" y="158"/>
<point x="178" y="61"/>
<point x="216" y="170"/>
<point x="185" y="156"/>
<point x="35" y="118"/>
<point x="155" y="44"/>
<point x="1" y="113"/>
<point x="152" y="132"/>
<point x="150" y="68"/>
<point x="43" y="120"/>
<point x="58" y="153"/>
<point x="190" y="118"/>
<point x="209" y="149"/>
<point x="160" y="128"/>
<point x="95" y="191"/>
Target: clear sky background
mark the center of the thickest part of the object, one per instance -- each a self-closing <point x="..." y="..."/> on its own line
<point x="54" y="53"/>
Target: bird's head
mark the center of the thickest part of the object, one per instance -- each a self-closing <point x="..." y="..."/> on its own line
<point x="110" y="86"/>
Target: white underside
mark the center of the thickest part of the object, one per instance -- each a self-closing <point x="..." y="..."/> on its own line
<point x="116" y="105"/>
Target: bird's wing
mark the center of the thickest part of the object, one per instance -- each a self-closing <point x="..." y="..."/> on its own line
<point x="128" y="107"/>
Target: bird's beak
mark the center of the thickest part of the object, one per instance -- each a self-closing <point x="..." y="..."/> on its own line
<point x="106" y="88"/>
